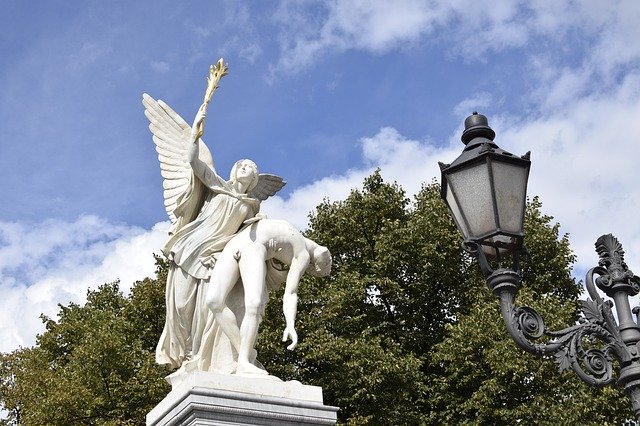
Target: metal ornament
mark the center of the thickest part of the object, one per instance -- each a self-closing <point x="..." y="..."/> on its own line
<point x="576" y="348"/>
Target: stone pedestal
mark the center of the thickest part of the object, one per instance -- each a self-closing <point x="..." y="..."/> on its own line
<point x="203" y="398"/>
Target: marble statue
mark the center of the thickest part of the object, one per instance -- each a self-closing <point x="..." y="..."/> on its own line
<point x="206" y="212"/>
<point x="248" y="257"/>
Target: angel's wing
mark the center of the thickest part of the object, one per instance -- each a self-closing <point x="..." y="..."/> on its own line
<point x="171" y="134"/>
<point x="267" y="186"/>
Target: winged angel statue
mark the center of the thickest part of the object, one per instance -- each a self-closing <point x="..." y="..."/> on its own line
<point x="206" y="212"/>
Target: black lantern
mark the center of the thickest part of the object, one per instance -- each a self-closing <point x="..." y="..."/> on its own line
<point x="486" y="190"/>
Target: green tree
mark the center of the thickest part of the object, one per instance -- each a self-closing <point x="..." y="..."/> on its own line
<point x="355" y="326"/>
<point x="404" y="330"/>
<point x="398" y="279"/>
<point x="94" y="365"/>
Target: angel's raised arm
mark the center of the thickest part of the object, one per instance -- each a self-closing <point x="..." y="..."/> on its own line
<point x="202" y="168"/>
<point x="199" y="156"/>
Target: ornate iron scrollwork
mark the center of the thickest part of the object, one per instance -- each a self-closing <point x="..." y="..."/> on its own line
<point x="589" y="347"/>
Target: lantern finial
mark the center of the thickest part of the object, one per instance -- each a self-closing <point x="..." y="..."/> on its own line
<point x="476" y="125"/>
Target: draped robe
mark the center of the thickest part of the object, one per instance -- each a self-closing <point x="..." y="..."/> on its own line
<point x="209" y="214"/>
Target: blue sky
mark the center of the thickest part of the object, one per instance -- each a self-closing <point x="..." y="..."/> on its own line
<point x="319" y="92"/>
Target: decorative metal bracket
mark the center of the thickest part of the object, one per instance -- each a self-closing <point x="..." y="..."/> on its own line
<point x="573" y="348"/>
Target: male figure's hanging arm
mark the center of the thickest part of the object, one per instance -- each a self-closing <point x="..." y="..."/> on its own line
<point x="298" y="266"/>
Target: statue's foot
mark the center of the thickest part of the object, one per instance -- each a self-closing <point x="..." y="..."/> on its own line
<point x="246" y="368"/>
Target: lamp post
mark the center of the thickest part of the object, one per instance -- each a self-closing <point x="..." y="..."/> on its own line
<point x="485" y="190"/>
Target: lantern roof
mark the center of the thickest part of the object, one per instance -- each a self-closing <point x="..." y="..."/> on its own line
<point x="478" y="139"/>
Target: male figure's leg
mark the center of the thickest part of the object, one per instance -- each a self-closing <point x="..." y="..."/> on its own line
<point x="253" y="273"/>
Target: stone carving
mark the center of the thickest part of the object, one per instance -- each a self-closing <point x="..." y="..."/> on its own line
<point x="209" y="214"/>
<point x="250" y="256"/>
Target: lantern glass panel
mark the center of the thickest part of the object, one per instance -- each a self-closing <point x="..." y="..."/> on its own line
<point x="455" y="210"/>
<point x="510" y="185"/>
<point x="472" y="187"/>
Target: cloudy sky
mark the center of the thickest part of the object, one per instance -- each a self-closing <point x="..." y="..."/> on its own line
<point x="319" y="92"/>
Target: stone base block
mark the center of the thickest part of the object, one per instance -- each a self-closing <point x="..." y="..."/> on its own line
<point x="203" y="398"/>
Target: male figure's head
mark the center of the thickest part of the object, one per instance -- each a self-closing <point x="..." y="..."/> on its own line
<point x="320" y="264"/>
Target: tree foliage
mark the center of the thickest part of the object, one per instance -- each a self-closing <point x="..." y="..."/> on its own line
<point x="93" y="365"/>
<point x="404" y="331"/>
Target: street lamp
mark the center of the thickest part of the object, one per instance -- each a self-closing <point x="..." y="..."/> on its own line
<point x="485" y="190"/>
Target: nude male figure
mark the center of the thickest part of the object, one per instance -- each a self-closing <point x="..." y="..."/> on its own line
<point x="245" y="256"/>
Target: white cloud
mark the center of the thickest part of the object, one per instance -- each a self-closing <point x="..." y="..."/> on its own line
<point x="408" y="162"/>
<point x="250" y="52"/>
<point x="618" y="42"/>
<point x="470" y="30"/>
<point x="585" y="167"/>
<point x="359" y="24"/>
<point x="54" y="262"/>
<point x="474" y="103"/>
<point x="304" y="199"/>
<point x="161" y="67"/>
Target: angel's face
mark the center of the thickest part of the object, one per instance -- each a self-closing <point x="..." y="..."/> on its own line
<point x="246" y="172"/>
